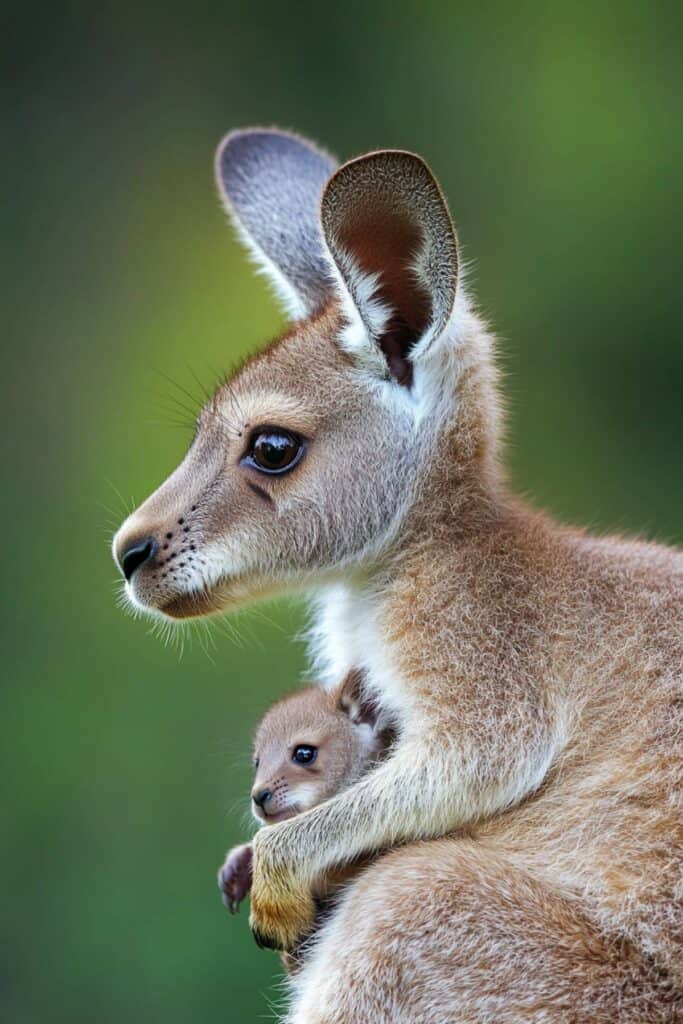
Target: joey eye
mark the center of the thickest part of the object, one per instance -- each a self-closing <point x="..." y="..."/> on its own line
<point x="304" y="754"/>
<point x="274" y="451"/>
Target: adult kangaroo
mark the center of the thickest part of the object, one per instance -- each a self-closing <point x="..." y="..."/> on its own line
<point x="532" y="672"/>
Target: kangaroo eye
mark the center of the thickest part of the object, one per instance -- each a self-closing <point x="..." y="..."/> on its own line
<point x="304" y="754"/>
<point x="274" y="451"/>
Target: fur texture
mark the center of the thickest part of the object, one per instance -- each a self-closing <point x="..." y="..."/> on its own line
<point x="333" y="723"/>
<point x="347" y="737"/>
<point x="448" y="932"/>
<point x="533" y="673"/>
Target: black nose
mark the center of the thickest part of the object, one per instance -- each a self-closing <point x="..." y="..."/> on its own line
<point x="261" y="798"/>
<point x="136" y="555"/>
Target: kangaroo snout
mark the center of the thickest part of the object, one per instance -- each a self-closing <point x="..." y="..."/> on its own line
<point x="261" y="798"/>
<point x="160" y="552"/>
<point x="134" y="554"/>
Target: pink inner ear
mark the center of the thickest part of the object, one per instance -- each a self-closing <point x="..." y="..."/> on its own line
<point x="385" y="220"/>
<point x="383" y="238"/>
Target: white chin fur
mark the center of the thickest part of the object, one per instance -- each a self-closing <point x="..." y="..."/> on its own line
<point x="138" y="607"/>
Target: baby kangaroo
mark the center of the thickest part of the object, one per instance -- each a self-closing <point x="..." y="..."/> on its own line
<point x="308" y="746"/>
<point x="533" y="673"/>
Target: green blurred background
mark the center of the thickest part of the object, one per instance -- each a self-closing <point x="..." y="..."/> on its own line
<point x="555" y="130"/>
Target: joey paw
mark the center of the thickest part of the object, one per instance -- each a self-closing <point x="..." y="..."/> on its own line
<point x="235" y="876"/>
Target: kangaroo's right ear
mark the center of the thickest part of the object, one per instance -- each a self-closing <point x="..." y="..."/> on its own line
<point x="271" y="183"/>
<point x="392" y="240"/>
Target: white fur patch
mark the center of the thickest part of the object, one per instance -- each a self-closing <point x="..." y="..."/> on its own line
<point x="346" y="635"/>
<point x="436" y="357"/>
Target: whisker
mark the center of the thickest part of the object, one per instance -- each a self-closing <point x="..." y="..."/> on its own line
<point x="176" y="405"/>
<point x="201" y="636"/>
<point x="207" y="395"/>
<point x="235" y="401"/>
<point x="188" y="394"/>
<point x="170" y="422"/>
<point x="126" y="509"/>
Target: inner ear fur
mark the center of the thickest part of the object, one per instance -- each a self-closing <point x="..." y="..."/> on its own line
<point x="386" y="223"/>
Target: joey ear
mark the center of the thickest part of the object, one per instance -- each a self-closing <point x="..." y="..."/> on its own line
<point x="271" y="183"/>
<point x="387" y="227"/>
<point x="361" y="709"/>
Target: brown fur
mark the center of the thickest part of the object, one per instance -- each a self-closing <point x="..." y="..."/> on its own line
<point x="533" y="672"/>
<point x="329" y="721"/>
<point x="447" y="932"/>
<point x="348" y="739"/>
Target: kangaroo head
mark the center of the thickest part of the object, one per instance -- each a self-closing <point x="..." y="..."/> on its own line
<point x="312" y="744"/>
<point x="306" y="462"/>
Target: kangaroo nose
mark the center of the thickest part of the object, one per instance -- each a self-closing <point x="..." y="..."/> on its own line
<point x="136" y="555"/>
<point x="261" y="798"/>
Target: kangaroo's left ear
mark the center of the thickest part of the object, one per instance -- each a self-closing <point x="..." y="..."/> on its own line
<point x="271" y="182"/>
<point x="354" y="702"/>
<point x="387" y="227"/>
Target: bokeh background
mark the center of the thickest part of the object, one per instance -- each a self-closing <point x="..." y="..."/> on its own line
<point x="555" y="130"/>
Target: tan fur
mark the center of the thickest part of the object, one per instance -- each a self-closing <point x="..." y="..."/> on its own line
<point x="347" y="745"/>
<point x="345" y="748"/>
<point x="446" y="932"/>
<point x="533" y="674"/>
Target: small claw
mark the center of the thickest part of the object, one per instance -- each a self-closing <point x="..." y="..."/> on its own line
<point x="229" y="900"/>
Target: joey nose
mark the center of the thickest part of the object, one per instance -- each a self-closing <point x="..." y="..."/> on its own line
<point x="135" y="555"/>
<point x="261" y="798"/>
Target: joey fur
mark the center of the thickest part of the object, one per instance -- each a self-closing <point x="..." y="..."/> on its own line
<point x="346" y="738"/>
<point x="532" y="672"/>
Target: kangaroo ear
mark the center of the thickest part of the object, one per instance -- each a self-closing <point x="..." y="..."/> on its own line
<point x="390" y="235"/>
<point x="271" y="183"/>
<point x="352" y="700"/>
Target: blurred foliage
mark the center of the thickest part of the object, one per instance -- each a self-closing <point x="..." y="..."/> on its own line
<point x="555" y="130"/>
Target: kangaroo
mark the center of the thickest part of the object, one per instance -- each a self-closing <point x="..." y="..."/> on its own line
<point x="308" y="746"/>
<point x="532" y="672"/>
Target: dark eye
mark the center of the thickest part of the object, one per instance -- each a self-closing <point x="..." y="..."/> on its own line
<point x="274" y="451"/>
<point x="304" y="754"/>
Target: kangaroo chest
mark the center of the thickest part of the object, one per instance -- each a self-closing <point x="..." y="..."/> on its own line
<point x="347" y="634"/>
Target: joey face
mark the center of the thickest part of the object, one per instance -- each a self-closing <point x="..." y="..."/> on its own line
<point x="306" y="749"/>
<point x="306" y="461"/>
